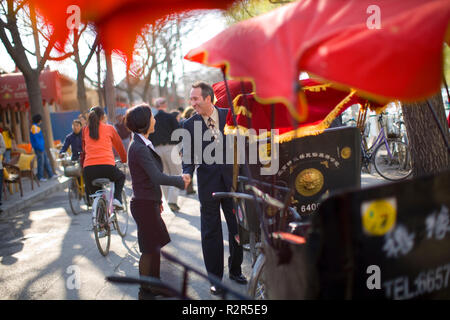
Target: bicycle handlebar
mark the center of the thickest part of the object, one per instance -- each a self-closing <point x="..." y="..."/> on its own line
<point x="260" y="197"/>
<point x="262" y="183"/>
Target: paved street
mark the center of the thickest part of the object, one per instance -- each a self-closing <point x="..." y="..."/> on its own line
<point x="44" y="245"/>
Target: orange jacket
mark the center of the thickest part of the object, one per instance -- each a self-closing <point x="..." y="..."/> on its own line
<point x="100" y="152"/>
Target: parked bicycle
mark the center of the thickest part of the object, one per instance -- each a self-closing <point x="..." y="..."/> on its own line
<point x="105" y="216"/>
<point x="77" y="194"/>
<point x="390" y="157"/>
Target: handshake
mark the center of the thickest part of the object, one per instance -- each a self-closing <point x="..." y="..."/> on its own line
<point x="187" y="179"/>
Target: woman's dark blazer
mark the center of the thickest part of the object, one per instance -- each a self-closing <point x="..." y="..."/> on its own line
<point x="146" y="171"/>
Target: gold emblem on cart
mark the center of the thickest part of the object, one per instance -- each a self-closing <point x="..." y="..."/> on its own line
<point x="309" y="182"/>
<point x="346" y="153"/>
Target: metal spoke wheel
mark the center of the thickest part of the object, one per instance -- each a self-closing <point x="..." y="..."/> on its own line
<point x="75" y="199"/>
<point x="122" y="216"/>
<point x="257" y="287"/>
<point x="393" y="162"/>
<point x="102" y="230"/>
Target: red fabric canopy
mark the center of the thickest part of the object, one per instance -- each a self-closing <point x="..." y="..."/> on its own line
<point x="13" y="89"/>
<point x="325" y="103"/>
<point x="117" y="21"/>
<point x="331" y="39"/>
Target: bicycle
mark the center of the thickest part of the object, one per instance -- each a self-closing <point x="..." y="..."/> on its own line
<point x="390" y="157"/>
<point x="256" y="287"/>
<point x="77" y="192"/>
<point x="105" y="215"/>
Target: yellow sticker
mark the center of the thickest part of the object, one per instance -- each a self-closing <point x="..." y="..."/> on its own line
<point x="378" y="217"/>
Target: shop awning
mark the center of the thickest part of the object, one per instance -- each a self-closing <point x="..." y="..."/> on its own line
<point x="13" y="90"/>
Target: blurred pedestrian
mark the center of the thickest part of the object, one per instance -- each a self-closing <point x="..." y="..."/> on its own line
<point x="167" y="149"/>
<point x="8" y="138"/>
<point x="73" y="140"/>
<point x="187" y="113"/>
<point x="83" y="118"/>
<point x="177" y="115"/>
<point x="122" y="130"/>
<point x="38" y="144"/>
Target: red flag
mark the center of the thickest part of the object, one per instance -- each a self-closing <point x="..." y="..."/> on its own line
<point x="117" y="21"/>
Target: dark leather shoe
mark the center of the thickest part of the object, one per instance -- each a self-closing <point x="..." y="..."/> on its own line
<point x="174" y="207"/>
<point x="238" y="278"/>
<point x="216" y="290"/>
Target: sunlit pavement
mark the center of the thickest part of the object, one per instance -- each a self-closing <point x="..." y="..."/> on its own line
<point x="48" y="253"/>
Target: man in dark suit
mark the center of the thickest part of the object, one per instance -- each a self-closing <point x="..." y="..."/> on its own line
<point x="212" y="176"/>
<point x="166" y="124"/>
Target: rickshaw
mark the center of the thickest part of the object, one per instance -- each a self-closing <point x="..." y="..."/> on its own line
<point x="357" y="231"/>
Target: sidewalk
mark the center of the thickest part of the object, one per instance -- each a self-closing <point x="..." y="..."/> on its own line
<point x="14" y="202"/>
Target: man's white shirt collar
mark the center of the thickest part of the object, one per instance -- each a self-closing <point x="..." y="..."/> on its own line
<point x="214" y="116"/>
<point x="146" y="141"/>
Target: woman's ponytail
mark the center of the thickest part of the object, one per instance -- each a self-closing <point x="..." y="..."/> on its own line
<point x="95" y="115"/>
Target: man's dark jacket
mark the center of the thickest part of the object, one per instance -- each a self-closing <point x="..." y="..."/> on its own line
<point x="210" y="177"/>
<point x="166" y="123"/>
<point x="74" y="141"/>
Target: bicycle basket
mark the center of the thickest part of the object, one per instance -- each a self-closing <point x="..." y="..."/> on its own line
<point x="72" y="170"/>
<point x="65" y="162"/>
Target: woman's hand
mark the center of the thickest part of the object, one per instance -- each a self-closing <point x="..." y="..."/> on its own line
<point x="161" y="208"/>
<point x="187" y="180"/>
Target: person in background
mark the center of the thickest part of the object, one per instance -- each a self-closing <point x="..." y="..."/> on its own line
<point x="98" y="140"/>
<point x="146" y="206"/>
<point x="8" y="138"/>
<point x="187" y="113"/>
<point x="167" y="149"/>
<point x="38" y="144"/>
<point x="122" y="130"/>
<point x="2" y="151"/>
<point x="83" y="119"/>
<point x="177" y="115"/>
<point x="73" y="140"/>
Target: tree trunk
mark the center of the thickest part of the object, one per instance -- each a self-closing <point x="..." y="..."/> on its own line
<point x="428" y="150"/>
<point x="81" y="92"/>
<point x="36" y="107"/>
<point x="130" y="89"/>
<point x="99" y="78"/>
<point x="109" y="88"/>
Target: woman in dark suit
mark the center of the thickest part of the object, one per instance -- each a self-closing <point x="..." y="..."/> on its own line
<point x="147" y="176"/>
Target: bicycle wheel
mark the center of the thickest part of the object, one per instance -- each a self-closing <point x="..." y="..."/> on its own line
<point x="102" y="230"/>
<point x="256" y="286"/>
<point x="74" y="197"/>
<point x="121" y="217"/>
<point x="394" y="163"/>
